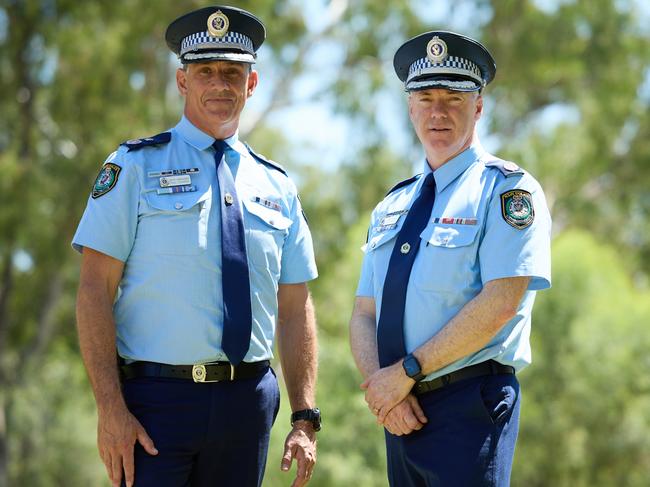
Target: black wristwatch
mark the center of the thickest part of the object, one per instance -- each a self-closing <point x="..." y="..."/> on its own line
<point x="412" y="368"/>
<point x="311" y="415"/>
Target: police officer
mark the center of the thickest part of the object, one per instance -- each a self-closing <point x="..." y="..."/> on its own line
<point x="454" y="257"/>
<point x="194" y="249"/>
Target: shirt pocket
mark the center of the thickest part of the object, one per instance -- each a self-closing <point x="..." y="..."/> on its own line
<point x="448" y="258"/>
<point x="387" y="228"/>
<point x="266" y="231"/>
<point x="379" y="248"/>
<point x="175" y="224"/>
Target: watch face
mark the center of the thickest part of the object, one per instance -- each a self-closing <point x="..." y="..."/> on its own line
<point x="411" y="366"/>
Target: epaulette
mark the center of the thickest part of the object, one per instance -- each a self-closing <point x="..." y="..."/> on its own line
<point x="406" y="182"/>
<point x="136" y="144"/>
<point x="508" y="168"/>
<point x="266" y="161"/>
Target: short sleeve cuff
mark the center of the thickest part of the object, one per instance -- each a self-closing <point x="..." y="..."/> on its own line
<point x="79" y="245"/>
<point x="309" y="273"/>
<point x="538" y="280"/>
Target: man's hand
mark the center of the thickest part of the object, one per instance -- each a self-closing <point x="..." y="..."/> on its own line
<point x="301" y="445"/>
<point x="117" y="432"/>
<point x="386" y="388"/>
<point x="406" y="417"/>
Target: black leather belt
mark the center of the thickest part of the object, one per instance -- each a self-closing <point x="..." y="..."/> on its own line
<point x="491" y="367"/>
<point x="211" y="372"/>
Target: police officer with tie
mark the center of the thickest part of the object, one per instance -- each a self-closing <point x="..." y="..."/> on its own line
<point x="454" y="257"/>
<point x="196" y="254"/>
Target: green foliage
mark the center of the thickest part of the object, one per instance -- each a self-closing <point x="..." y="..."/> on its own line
<point x="587" y="395"/>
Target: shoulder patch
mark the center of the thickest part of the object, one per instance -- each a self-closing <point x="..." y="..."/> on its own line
<point x="517" y="208"/>
<point x="406" y="182"/>
<point x="136" y="144"/>
<point x="106" y="179"/>
<point x="508" y="168"/>
<point x="265" y="161"/>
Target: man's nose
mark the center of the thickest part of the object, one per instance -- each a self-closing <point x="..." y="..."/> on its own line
<point x="438" y="109"/>
<point x="219" y="81"/>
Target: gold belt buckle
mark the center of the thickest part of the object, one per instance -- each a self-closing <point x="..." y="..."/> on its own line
<point x="199" y="373"/>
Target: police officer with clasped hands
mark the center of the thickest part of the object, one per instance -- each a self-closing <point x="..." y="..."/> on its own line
<point x="196" y="254"/>
<point x="453" y="259"/>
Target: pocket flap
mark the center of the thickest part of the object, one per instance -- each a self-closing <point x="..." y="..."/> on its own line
<point x="269" y="216"/>
<point x="379" y="239"/>
<point x="177" y="201"/>
<point x="450" y="236"/>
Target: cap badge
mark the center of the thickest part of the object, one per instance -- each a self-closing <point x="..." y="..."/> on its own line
<point x="218" y="24"/>
<point x="436" y="50"/>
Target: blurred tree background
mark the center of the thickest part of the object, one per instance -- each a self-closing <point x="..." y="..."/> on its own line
<point x="570" y="104"/>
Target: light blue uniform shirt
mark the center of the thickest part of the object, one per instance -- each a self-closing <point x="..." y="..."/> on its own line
<point x="466" y="243"/>
<point x="169" y="307"/>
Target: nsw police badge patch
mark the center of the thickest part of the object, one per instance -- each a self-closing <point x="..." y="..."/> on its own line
<point x="517" y="208"/>
<point x="106" y="179"/>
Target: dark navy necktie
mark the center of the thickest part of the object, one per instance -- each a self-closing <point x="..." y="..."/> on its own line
<point x="390" y="330"/>
<point x="237" y="316"/>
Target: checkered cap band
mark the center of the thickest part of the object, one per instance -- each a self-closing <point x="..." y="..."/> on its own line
<point x="451" y="65"/>
<point x="203" y="40"/>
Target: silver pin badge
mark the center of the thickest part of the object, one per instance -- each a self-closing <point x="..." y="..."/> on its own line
<point x="218" y="24"/>
<point x="405" y="248"/>
<point x="436" y="50"/>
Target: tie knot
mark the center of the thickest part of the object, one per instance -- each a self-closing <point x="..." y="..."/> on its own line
<point x="429" y="180"/>
<point x="219" y="145"/>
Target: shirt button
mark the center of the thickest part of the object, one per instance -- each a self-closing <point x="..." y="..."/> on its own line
<point x="405" y="248"/>
<point x="178" y="205"/>
<point x="373" y="245"/>
<point x="228" y="199"/>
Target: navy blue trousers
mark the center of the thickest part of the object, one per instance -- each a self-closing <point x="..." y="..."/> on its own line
<point x="207" y="435"/>
<point x="468" y="441"/>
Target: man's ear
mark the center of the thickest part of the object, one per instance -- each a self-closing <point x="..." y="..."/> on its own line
<point x="410" y="105"/>
<point x="253" y="79"/>
<point x="181" y="81"/>
<point x="479" y="107"/>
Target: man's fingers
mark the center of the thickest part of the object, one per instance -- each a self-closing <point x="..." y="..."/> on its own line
<point x="381" y="415"/>
<point x="301" y="473"/>
<point x="364" y="385"/>
<point x="116" y="469"/>
<point x="106" y="458"/>
<point x="145" y="440"/>
<point x="411" y="422"/>
<point x="287" y="458"/>
<point x="392" y="428"/>
<point x="403" y="425"/>
<point x="129" y="469"/>
<point x="304" y="471"/>
<point x="417" y="410"/>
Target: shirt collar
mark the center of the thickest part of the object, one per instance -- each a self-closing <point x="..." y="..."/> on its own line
<point x="454" y="167"/>
<point x="201" y="141"/>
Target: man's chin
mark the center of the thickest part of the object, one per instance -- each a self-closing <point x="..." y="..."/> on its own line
<point x="220" y="116"/>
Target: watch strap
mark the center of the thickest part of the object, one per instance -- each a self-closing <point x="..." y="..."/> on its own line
<point x="311" y="415"/>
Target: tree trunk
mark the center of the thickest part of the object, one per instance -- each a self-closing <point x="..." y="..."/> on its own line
<point x="4" y="480"/>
